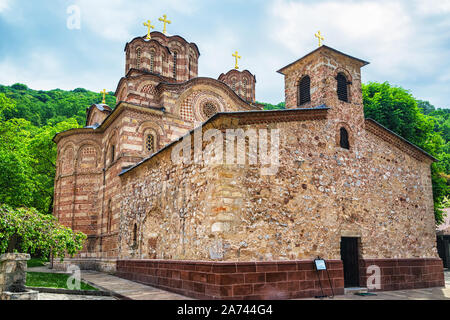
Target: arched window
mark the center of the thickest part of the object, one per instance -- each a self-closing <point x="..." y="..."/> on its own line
<point x="150" y="143"/>
<point x="152" y="61"/>
<point x="135" y="235"/>
<point x="304" y="90"/>
<point x="138" y="60"/>
<point x="343" y="141"/>
<point x="342" y="90"/>
<point x="175" y="56"/>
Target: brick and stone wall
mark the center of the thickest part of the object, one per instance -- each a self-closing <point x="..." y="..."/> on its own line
<point x="320" y="193"/>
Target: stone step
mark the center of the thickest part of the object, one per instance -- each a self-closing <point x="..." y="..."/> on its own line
<point x="355" y="290"/>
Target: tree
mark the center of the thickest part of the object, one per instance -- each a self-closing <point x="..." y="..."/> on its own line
<point x="28" y="231"/>
<point x="43" y="163"/>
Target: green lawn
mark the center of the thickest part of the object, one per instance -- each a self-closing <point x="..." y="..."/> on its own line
<point x="36" y="262"/>
<point x="52" y="280"/>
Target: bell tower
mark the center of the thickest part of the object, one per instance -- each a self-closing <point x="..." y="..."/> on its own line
<point x="325" y="76"/>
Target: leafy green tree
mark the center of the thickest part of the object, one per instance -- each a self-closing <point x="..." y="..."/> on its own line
<point x="268" y="106"/>
<point x="15" y="167"/>
<point x="28" y="231"/>
<point x="43" y="164"/>
<point x="425" y="106"/>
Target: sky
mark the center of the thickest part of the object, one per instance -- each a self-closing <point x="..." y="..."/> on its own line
<point x="407" y="42"/>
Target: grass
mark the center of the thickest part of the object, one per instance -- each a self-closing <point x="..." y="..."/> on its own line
<point x="52" y="280"/>
<point x="36" y="262"/>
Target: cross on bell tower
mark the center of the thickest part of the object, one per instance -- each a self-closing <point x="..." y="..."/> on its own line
<point x="237" y="57"/>
<point x="149" y="26"/>
<point x="320" y="37"/>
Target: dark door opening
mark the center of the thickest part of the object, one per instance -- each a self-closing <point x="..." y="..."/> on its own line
<point x="350" y="256"/>
<point x="443" y="247"/>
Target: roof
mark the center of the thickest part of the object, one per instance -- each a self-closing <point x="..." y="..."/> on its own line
<point x="157" y="33"/>
<point x="237" y="71"/>
<point x="323" y="47"/>
<point x="102" y="107"/>
<point x="192" y="81"/>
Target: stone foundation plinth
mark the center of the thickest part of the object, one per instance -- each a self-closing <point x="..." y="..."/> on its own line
<point x="403" y="274"/>
<point x="275" y="279"/>
<point x="235" y="280"/>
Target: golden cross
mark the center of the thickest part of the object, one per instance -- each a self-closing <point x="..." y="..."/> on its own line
<point x="320" y="37"/>
<point x="148" y="24"/>
<point x="165" y="21"/>
<point x="237" y="56"/>
<point x="104" y="93"/>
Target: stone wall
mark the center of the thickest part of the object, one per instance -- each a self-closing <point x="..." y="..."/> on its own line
<point x="320" y="193"/>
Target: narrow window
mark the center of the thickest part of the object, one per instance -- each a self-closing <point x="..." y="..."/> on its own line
<point x="344" y="143"/>
<point x="113" y="152"/>
<point x="304" y="90"/>
<point x="342" y="91"/>
<point x="138" y="53"/>
<point x="190" y="66"/>
<point x="150" y="143"/>
<point x="175" y="65"/>
<point x="244" y="88"/>
<point x="109" y="217"/>
<point x="233" y="85"/>
<point x="135" y="235"/>
<point x="152" y="62"/>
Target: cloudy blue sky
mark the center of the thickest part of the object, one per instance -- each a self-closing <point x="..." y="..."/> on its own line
<point x="406" y="41"/>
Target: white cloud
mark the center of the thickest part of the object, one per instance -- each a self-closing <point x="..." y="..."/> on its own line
<point x="432" y="7"/>
<point x="119" y="19"/>
<point x="401" y="46"/>
<point x="4" y="5"/>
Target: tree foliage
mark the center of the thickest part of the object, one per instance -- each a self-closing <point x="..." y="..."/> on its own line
<point x="27" y="230"/>
<point x="27" y="158"/>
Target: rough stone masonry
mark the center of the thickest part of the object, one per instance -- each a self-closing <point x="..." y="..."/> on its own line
<point x="226" y="230"/>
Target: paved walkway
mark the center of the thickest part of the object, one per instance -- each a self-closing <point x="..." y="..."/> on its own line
<point x="416" y="294"/>
<point x="128" y="289"/>
<point x="125" y="289"/>
<point x="59" y="297"/>
<point x="120" y="288"/>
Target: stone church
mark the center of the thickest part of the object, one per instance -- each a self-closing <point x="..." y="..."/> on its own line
<point x="346" y="189"/>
